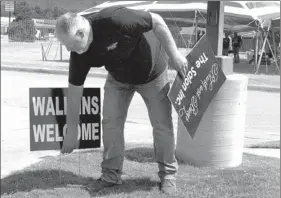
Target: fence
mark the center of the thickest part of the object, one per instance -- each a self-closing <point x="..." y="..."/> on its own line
<point x="32" y="51"/>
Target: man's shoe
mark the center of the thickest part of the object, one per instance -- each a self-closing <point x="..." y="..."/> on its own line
<point x="100" y="184"/>
<point x="168" y="186"/>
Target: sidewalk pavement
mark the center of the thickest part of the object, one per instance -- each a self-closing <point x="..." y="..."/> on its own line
<point x="263" y="152"/>
<point x="256" y="82"/>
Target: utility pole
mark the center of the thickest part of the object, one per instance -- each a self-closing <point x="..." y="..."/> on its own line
<point x="9" y="7"/>
<point x="215" y="24"/>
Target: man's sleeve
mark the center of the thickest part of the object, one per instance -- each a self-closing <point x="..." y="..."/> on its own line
<point x="132" y="22"/>
<point x="78" y="69"/>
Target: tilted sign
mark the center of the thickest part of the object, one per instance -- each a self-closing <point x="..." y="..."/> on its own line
<point x="192" y="94"/>
<point x="48" y="110"/>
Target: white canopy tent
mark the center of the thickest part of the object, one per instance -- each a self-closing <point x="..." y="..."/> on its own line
<point x="239" y="16"/>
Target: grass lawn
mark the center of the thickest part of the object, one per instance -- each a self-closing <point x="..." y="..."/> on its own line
<point x="270" y="144"/>
<point x="257" y="177"/>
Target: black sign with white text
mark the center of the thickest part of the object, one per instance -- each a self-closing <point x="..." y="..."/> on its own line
<point x="48" y="110"/>
<point x="192" y="95"/>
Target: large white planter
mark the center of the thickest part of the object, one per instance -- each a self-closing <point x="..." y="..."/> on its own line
<point x="219" y="139"/>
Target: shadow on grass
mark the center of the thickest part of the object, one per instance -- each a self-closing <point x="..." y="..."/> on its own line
<point x="266" y="145"/>
<point x="128" y="186"/>
<point x="146" y="155"/>
<point x="39" y="179"/>
<point x="49" y="179"/>
<point x="140" y="154"/>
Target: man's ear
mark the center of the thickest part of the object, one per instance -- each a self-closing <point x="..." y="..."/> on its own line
<point x="80" y="34"/>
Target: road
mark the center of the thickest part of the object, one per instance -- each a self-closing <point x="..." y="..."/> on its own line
<point x="262" y="117"/>
<point x="32" y="50"/>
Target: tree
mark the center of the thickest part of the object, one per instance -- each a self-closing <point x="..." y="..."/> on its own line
<point x="22" y="30"/>
<point x="23" y="10"/>
<point x="39" y="13"/>
<point x="48" y="13"/>
<point x="57" y="12"/>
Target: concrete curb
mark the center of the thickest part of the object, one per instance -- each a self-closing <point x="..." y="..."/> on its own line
<point x="274" y="153"/>
<point x="47" y="71"/>
<point x="103" y="75"/>
<point x="264" y="88"/>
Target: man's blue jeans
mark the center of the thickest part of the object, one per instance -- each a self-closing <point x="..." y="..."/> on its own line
<point x="117" y="98"/>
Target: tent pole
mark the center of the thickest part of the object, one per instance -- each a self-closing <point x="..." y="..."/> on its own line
<point x="274" y="42"/>
<point x="196" y="26"/>
<point x="262" y="50"/>
<point x="259" y="41"/>
<point x="274" y="57"/>
<point x="257" y="48"/>
<point x="194" y="31"/>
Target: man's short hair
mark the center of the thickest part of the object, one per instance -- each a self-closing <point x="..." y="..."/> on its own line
<point x="66" y="22"/>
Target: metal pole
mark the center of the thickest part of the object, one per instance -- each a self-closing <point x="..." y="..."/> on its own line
<point x="60" y="51"/>
<point x="257" y="48"/>
<point x="274" y="57"/>
<point x="196" y="26"/>
<point x="9" y="18"/>
<point x="273" y="40"/>
<point x="262" y="50"/>
<point x="60" y="170"/>
<point x="79" y="164"/>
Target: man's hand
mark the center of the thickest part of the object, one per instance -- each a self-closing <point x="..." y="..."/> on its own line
<point x="179" y="63"/>
<point x="70" y="142"/>
<point x="74" y="95"/>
